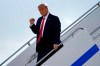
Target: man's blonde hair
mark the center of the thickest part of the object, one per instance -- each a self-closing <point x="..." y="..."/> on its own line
<point x="43" y="4"/>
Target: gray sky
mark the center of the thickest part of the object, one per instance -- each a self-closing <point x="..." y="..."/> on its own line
<point x="15" y="15"/>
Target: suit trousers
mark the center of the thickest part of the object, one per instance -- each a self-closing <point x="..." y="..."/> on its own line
<point x="42" y="54"/>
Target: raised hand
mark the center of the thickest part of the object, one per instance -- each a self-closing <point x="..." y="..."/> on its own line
<point x="32" y="20"/>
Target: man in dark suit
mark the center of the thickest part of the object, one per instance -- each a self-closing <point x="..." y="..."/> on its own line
<point x="47" y="29"/>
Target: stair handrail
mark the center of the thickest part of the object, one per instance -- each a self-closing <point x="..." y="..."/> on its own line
<point x="79" y="19"/>
<point x="27" y="43"/>
<point x="59" y="45"/>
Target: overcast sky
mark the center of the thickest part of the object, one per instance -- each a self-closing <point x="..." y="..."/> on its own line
<point x="15" y="15"/>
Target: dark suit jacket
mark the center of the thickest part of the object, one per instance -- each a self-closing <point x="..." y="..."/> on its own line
<point x="51" y="34"/>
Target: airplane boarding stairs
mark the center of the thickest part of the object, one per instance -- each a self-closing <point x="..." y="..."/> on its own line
<point x="81" y="42"/>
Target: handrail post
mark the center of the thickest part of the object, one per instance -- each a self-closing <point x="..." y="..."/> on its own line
<point x="99" y="4"/>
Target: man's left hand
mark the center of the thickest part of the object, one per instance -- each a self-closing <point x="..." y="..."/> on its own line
<point x="55" y="46"/>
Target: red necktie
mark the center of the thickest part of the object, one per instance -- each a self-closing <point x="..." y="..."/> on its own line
<point x="41" y="29"/>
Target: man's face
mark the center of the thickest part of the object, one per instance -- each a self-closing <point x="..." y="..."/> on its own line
<point x="43" y="10"/>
